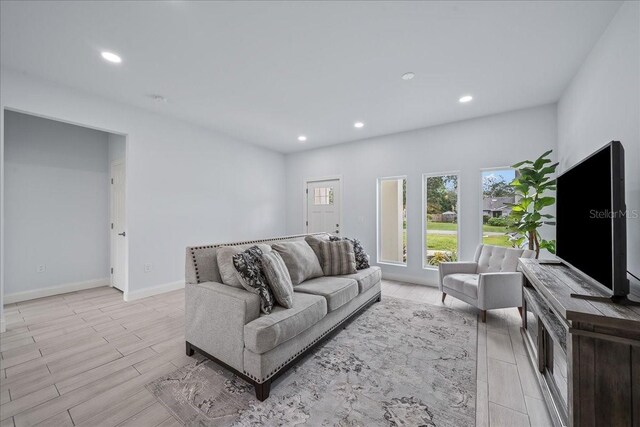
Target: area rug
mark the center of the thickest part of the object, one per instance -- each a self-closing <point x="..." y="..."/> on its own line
<point x="398" y="364"/>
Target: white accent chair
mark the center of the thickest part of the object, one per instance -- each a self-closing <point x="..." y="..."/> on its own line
<point x="490" y="281"/>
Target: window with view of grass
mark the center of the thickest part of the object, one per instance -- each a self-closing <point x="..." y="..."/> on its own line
<point x="497" y="195"/>
<point x="440" y="219"/>
<point x="392" y="220"/>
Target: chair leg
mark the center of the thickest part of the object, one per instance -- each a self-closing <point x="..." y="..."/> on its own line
<point x="263" y="390"/>
<point x="444" y="295"/>
<point x="189" y="349"/>
<point x="483" y="316"/>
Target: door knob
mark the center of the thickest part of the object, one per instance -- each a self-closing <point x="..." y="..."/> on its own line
<point x="123" y="234"/>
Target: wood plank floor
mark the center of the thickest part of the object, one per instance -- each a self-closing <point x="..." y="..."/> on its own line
<point x="84" y="358"/>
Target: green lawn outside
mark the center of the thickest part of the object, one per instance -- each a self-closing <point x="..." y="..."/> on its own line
<point x="442" y="242"/>
<point x="451" y="226"/>
<point x="502" y="240"/>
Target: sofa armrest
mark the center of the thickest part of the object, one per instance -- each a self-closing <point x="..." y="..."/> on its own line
<point x="499" y="290"/>
<point x="446" y="268"/>
<point x="215" y="315"/>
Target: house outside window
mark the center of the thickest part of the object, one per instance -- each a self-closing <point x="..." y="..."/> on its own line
<point x="497" y="197"/>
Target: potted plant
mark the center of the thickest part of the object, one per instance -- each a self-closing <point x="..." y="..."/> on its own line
<point x="532" y="183"/>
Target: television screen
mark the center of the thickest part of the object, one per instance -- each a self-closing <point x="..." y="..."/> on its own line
<point x="585" y="216"/>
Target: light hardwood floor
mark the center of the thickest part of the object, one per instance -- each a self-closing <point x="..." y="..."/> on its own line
<point x="84" y="358"/>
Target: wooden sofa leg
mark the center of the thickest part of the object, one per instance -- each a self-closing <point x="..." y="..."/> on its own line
<point x="263" y="390"/>
<point x="483" y="316"/>
<point x="444" y="295"/>
<point x="379" y="297"/>
<point x="189" y="349"/>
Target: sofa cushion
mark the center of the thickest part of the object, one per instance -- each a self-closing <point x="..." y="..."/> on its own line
<point x="278" y="278"/>
<point x="494" y="259"/>
<point x="464" y="283"/>
<point x="338" y="258"/>
<point x="248" y="265"/>
<point x="269" y="331"/>
<point x="300" y="260"/>
<point x="366" y="278"/>
<point x="337" y="290"/>
<point x="224" y="256"/>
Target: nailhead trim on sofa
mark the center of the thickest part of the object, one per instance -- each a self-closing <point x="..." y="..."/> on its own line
<point x="193" y="249"/>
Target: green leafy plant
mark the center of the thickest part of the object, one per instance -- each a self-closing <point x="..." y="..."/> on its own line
<point x="532" y="183"/>
<point x="439" y="257"/>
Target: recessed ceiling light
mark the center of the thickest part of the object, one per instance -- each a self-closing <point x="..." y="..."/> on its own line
<point x="358" y="125"/>
<point x="466" y="98"/>
<point x="111" y="57"/>
<point x="408" y="76"/>
<point x="302" y="138"/>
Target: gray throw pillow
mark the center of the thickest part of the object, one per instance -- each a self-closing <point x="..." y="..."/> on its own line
<point x="362" y="259"/>
<point x="300" y="260"/>
<point x="277" y="275"/>
<point x="338" y="258"/>
<point x="224" y="257"/>
<point x="314" y="242"/>
<point x="248" y="265"/>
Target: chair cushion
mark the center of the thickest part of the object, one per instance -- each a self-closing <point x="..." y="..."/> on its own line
<point x="366" y="278"/>
<point x="493" y="259"/>
<point x="337" y="290"/>
<point x="270" y="330"/>
<point x="464" y="283"/>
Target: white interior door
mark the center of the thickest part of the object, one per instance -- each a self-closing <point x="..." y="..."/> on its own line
<point x="324" y="206"/>
<point x="118" y="233"/>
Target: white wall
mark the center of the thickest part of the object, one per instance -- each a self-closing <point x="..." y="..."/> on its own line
<point x="602" y="103"/>
<point x="117" y="147"/>
<point x="185" y="184"/>
<point x="466" y="146"/>
<point x="56" y="197"/>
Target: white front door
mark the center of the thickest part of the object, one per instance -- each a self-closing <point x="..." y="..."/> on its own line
<point x="118" y="233"/>
<point x="323" y="206"/>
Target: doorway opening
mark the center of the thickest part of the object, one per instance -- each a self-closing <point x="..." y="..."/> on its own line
<point x="64" y="201"/>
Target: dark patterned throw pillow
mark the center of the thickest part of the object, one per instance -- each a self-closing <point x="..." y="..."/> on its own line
<point x="248" y="265"/>
<point x="362" y="259"/>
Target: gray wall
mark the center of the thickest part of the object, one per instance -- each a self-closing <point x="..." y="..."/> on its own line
<point x="601" y="104"/>
<point x="466" y="146"/>
<point x="56" y="203"/>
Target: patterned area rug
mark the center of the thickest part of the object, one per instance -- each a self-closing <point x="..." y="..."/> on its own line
<point x="398" y="364"/>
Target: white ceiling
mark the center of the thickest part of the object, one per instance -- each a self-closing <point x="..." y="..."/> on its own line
<point x="266" y="72"/>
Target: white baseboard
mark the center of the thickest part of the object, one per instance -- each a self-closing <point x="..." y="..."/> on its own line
<point x="55" y="290"/>
<point x="154" y="290"/>
<point x="408" y="279"/>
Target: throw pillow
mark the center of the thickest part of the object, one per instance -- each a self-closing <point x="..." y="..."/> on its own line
<point x="300" y="260"/>
<point x="362" y="259"/>
<point x="338" y="258"/>
<point x="248" y="265"/>
<point x="277" y="275"/>
<point x="224" y="256"/>
<point x="314" y="242"/>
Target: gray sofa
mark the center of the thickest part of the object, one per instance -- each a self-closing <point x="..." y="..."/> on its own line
<point x="224" y="323"/>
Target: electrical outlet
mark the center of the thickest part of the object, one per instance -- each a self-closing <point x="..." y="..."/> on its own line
<point x="148" y="268"/>
<point x="41" y="268"/>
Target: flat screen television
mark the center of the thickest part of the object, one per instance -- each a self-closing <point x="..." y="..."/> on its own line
<point x="591" y="233"/>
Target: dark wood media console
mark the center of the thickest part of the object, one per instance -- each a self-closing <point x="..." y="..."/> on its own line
<point x="586" y="353"/>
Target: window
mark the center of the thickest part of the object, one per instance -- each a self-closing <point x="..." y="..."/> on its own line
<point x="392" y="220"/>
<point x="323" y="196"/>
<point x="440" y="219"/>
<point x="497" y="194"/>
